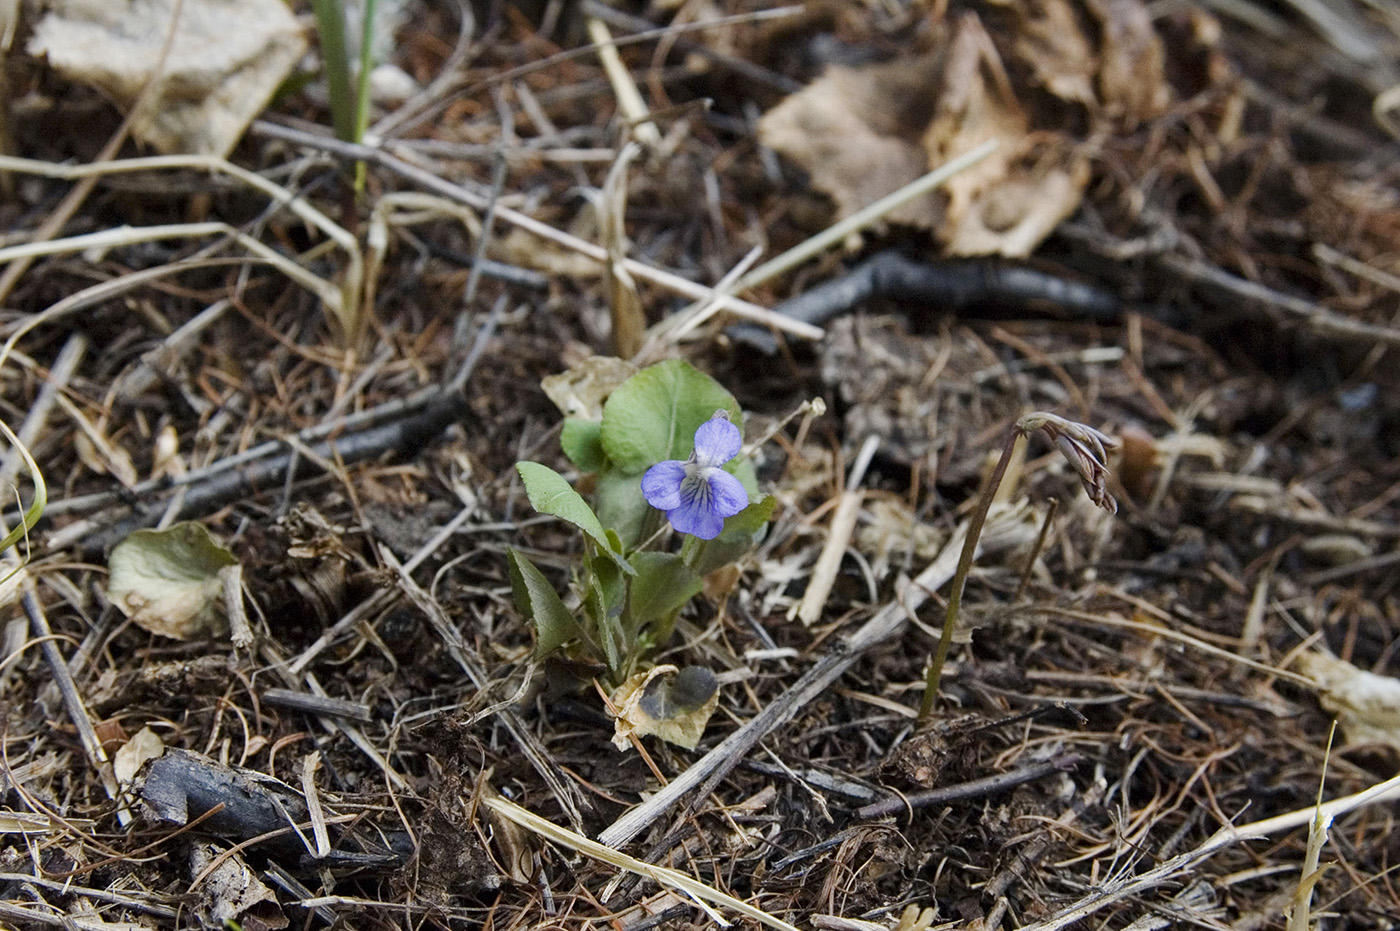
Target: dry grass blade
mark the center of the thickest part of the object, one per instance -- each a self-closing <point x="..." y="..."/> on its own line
<point x="1224" y="302"/>
<point x="1115" y="890"/>
<point x="863" y="218"/>
<point x="342" y="302"/>
<point x="673" y="879"/>
<point x="629" y="98"/>
<point x="657" y="276"/>
<point x="41" y="492"/>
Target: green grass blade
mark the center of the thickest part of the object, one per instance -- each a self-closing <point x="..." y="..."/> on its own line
<point x="41" y="492"/>
<point x="330" y="27"/>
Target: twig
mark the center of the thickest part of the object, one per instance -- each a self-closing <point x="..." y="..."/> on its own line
<point x="72" y="700"/>
<point x="975" y="788"/>
<point x="707" y="771"/>
<point x="1115" y="890"/>
<point x="1283" y="308"/>
<point x="319" y="705"/>
<point x="432" y="182"/>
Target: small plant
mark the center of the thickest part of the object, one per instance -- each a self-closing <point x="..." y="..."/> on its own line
<point x="347" y="86"/>
<point x="665" y="447"/>
<point x="1086" y="451"/>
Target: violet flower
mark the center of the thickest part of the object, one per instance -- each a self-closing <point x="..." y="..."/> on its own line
<point x="697" y="495"/>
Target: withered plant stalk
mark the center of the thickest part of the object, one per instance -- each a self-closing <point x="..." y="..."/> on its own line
<point x="969" y="550"/>
<point x="1084" y="448"/>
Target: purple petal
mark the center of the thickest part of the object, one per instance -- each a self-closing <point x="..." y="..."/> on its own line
<point x="716" y="442"/>
<point x="661" y="485"/>
<point x="727" y="494"/>
<point x="695" y="517"/>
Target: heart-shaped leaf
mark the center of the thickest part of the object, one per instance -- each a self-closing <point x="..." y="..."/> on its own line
<point x="653" y="415"/>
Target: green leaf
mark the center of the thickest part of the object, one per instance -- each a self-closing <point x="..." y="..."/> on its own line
<point x="653" y="415"/>
<point x="554" y="624"/>
<point x="607" y="597"/>
<point x="743" y="469"/>
<point x="607" y="578"/>
<point x="662" y="587"/>
<point x="168" y="582"/>
<point x="581" y="444"/>
<point x="621" y="506"/>
<point x="749" y="521"/>
<point x="610" y="635"/>
<point x="551" y="494"/>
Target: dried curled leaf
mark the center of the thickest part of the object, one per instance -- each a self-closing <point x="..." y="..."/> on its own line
<point x="170" y="581"/>
<point x="856" y="132"/>
<point x="673" y="704"/>
<point x="227" y="59"/>
<point x="145" y="745"/>
<point x="1367" y="706"/>
<point x="232" y="894"/>
<point x="1009" y="202"/>
<point x="862" y="133"/>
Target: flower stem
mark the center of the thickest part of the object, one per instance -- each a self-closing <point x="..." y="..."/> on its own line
<point x="969" y="550"/>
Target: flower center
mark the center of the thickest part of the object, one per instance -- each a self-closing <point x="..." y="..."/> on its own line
<point x="696" y="484"/>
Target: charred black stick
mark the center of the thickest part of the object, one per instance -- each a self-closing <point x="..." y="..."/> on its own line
<point x="976" y="788"/>
<point x="391" y="411"/>
<point x="401" y="437"/>
<point x="956" y="286"/>
<point x="240" y="805"/>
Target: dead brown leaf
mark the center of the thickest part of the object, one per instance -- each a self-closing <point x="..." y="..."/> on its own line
<point x="1051" y="40"/>
<point x="864" y="132"/>
<point x="1010" y="201"/>
<point x="857" y="132"/>
<point x="227" y="59"/>
<point x="1132" y="83"/>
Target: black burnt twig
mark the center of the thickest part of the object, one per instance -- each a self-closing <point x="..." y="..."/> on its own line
<point x="954" y="286"/>
<point x="402" y="437"/>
